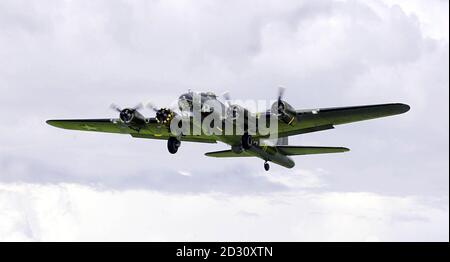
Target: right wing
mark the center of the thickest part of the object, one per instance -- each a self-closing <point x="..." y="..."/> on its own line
<point x="93" y="125"/>
<point x="152" y="129"/>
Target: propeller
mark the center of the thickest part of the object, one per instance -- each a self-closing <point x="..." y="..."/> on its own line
<point x="226" y="96"/>
<point x="115" y="107"/>
<point x="138" y="106"/>
<point x="127" y="114"/>
<point x="281" y="91"/>
<point x="152" y="106"/>
<point x="118" y="109"/>
<point x="232" y="110"/>
<point x="132" y="117"/>
<point x="163" y="115"/>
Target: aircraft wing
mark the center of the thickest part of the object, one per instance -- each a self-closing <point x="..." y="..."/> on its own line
<point x="313" y="120"/>
<point x="152" y="130"/>
<point x="93" y="125"/>
<point x="344" y="115"/>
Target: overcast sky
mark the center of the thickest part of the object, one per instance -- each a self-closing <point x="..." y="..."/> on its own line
<point x="72" y="59"/>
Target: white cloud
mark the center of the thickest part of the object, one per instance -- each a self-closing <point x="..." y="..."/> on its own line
<point x="432" y="15"/>
<point x="298" y="178"/>
<point x="69" y="212"/>
<point x="184" y="173"/>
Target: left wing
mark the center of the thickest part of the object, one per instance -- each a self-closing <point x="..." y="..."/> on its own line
<point x="345" y="115"/>
<point x="152" y="129"/>
<point x="326" y="118"/>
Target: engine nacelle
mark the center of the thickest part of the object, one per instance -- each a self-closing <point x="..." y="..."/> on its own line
<point x="132" y="118"/>
<point x="285" y="112"/>
<point x="164" y="116"/>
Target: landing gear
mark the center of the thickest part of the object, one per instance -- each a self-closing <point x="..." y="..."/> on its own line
<point x="247" y="141"/>
<point x="173" y="144"/>
<point x="266" y="166"/>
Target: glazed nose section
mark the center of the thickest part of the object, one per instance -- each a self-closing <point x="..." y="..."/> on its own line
<point x="185" y="102"/>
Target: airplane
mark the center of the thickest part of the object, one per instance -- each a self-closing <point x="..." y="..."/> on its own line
<point x="243" y="140"/>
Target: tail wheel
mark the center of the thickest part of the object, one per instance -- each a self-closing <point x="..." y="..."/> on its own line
<point x="173" y="144"/>
<point x="247" y="141"/>
<point x="266" y="166"/>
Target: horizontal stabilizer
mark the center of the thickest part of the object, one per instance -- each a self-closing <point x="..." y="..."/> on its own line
<point x="309" y="150"/>
<point x="228" y="153"/>
<point x="285" y="150"/>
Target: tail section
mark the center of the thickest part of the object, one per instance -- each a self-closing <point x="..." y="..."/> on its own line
<point x="309" y="150"/>
<point x="228" y="153"/>
<point x="285" y="150"/>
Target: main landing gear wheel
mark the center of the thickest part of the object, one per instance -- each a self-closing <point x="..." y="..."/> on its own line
<point x="247" y="141"/>
<point x="173" y="144"/>
<point x="266" y="166"/>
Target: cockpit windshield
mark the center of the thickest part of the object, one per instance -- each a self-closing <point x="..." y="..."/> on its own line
<point x="186" y="101"/>
<point x="208" y="96"/>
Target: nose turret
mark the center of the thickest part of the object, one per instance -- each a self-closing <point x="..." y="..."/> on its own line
<point x="185" y="102"/>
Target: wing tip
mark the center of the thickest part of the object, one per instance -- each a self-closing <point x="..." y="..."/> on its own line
<point x="341" y="149"/>
<point x="52" y="123"/>
<point x="57" y="123"/>
<point x="403" y="108"/>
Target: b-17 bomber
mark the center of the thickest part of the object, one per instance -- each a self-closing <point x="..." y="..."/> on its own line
<point x="203" y="117"/>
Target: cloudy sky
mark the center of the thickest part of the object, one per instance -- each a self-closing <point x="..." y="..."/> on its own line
<point x="72" y="59"/>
